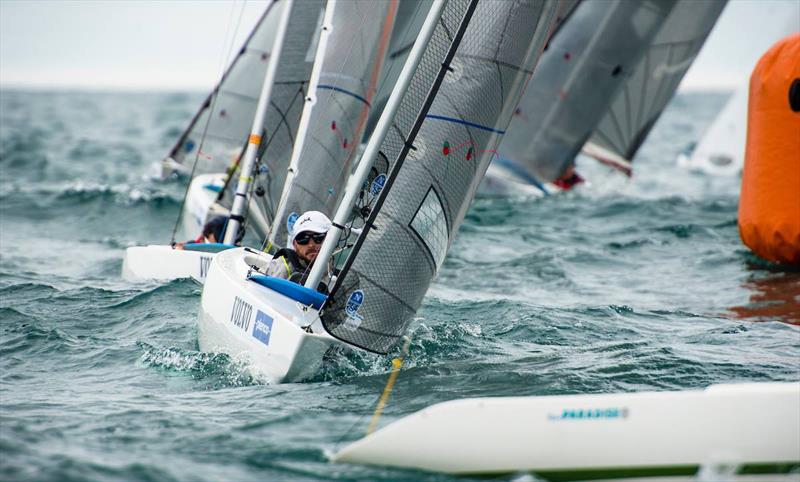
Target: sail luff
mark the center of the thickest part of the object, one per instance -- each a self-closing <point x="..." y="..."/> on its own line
<point x="371" y="151"/>
<point x="241" y="195"/>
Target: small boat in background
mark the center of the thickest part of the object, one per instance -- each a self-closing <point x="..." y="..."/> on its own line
<point x="721" y="150"/>
<point x="268" y="70"/>
<point x="732" y="432"/>
<point x="649" y="88"/>
<point x="586" y="62"/>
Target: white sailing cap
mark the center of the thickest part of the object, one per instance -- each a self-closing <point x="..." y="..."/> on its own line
<point x="311" y="221"/>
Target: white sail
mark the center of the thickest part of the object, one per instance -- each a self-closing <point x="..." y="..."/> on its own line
<point x="353" y="44"/>
<point x="289" y="90"/>
<point x="721" y="150"/>
<point x="218" y="132"/>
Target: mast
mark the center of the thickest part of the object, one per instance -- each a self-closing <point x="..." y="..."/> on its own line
<point x="245" y="178"/>
<point x="311" y="99"/>
<point x="374" y="144"/>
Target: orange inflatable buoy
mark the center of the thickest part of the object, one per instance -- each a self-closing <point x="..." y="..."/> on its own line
<point x="769" y="205"/>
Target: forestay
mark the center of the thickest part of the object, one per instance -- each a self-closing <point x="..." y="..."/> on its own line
<point x="442" y="138"/>
<point x="638" y="105"/>
<point x="343" y="84"/>
<point x="585" y="64"/>
<point x="231" y="105"/>
<point x="285" y="107"/>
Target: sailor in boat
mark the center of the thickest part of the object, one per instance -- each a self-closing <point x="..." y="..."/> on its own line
<point x="307" y="236"/>
<point x="213" y="232"/>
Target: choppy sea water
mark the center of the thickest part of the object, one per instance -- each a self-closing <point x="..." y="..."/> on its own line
<point x="617" y="286"/>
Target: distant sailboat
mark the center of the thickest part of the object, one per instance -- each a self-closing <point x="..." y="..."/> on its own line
<point x="720" y="152"/>
<point x="439" y="130"/>
<point x="235" y="106"/>
<point x="648" y="90"/>
<point x="585" y="64"/>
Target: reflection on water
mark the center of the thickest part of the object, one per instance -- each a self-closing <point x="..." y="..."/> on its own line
<point x="775" y="296"/>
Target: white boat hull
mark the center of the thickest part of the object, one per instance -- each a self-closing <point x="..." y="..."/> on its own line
<point x="158" y="262"/>
<point x="747" y="429"/>
<point x="256" y="325"/>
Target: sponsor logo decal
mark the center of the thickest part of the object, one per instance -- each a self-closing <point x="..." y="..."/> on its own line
<point x="590" y="414"/>
<point x="354" y="302"/>
<point x="290" y="221"/>
<point x="377" y="184"/>
<point x="240" y="313"/>
<point x="262" y="328"/>
<point x="205" y="263"/>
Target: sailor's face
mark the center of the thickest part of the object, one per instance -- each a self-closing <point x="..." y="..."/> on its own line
<point x="308" y="251"/>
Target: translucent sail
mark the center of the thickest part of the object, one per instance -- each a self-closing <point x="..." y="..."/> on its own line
<point x="344" y="85"/>
<point x="283" y="114"/>
<point x="586" y="62"/>
<point x="647" y="91"/>
<point x="407" y="24"/>
<point x="233" y="101"/>
<point x="450" y="120"/>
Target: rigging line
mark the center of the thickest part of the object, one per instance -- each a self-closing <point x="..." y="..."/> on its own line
<point x="621" y="146"/>
<point x="380" y="401"/>
<point x="208" y="122"/>
<point x="397" y="364"/>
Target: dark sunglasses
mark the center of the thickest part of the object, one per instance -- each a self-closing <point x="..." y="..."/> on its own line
<point x="303" y="238"/>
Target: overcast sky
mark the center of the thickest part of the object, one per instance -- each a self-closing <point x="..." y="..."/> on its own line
<point x="184" y="45"/>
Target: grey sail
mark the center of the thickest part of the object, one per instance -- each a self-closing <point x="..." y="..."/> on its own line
<point x="283" y="114"/>
<point x="344" y="85"/>
<point x="647" y="91"/>
<point x="442" y="138"/>
<point x="410" y="17"/>
<point x="218" y="132"/>
<point x="585" y="64"/>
